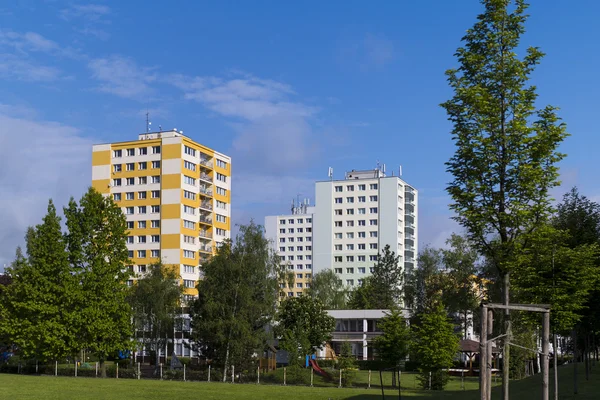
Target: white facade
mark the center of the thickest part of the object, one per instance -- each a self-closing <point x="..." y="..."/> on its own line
<point x="355" y="218"/>
<point x="291" y="236"/>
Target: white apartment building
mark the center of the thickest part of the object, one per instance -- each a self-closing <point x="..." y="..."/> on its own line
<point x="355" y="218"/>
<point x="291" y="237"/>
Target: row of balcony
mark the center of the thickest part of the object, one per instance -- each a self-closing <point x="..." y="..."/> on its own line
<point x="206" y="163"/>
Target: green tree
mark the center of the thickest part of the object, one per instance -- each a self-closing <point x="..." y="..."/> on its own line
<point x="303" y="326"/>
<point x="425" y="284"/>
<point x="96" y="240"/>
<point x="462" y="294"/>
<point x="383" y="289"/>
<point x="434" y="346"/>
<point x="506" y="149"/>
<point x="347" y="363"/>
<point x="580" y="217"/>
<point x="237" y="298"/>
<point x="156" y="302"/>
<point x="37" y="311"/>
<point x="393" y="344"/>
<point x="329" y="288"/>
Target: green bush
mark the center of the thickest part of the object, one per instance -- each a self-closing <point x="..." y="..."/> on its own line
<point x="439" y="379"/>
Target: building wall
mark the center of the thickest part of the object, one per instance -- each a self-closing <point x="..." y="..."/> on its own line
<point x="185" y="188"/>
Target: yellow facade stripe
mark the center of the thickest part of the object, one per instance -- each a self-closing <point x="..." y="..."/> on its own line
<point x="138" y="202"/>
<point x="170" y="241"/>
<point x="197" y="146"/>
<point x="135" y="144"/>
<point x="101" y="185"/>
<point x="170" y="151"/>
<point x="100" y="158"/>
<point x="171" y="211"/>
<point x="171" y="181"/>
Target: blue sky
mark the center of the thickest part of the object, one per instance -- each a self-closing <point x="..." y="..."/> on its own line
<point x="287" y="89"/>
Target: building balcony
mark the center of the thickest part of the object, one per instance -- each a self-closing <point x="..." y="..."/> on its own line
<point x="204" y="235"/>
<point x="409" y="236"/>
<point x="409" y="225"/>
<point x="205" y="248"/>
<point x="409" y="201"/>
<point x="203" y="258"/>
<point x="206" y="163"/>
<point x="409" y="248"/>
<point x="205" y="177"/>
<point x="205" y="220"/>
<point x="206" y="192"/>
<point x="206" y="206"/>
<point x="409" y="214"/>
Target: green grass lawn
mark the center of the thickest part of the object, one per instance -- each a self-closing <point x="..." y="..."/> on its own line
<point x="49" y="387"/>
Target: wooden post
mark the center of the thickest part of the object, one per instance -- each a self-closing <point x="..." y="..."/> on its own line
<point x="340" y="385"/>
<point x="284" y="376"/>
<point x="56" y="368"/>
<point x="160" y="371"/>
<point x="96" y="369"/>
<point x="462" y="380"/>
<point x="369" y="384"/>
<point x="258" y="376"/>
<point x="483" y="354"/>
<point x="184" y="372"/>
<point x="36" y="366"/>
<point x="232" y="373"/>
<point x="545" y="355"/>
<point x="75" y="368"/>
<point x="429" y="380"/>
<point x="209" y="373"/>
<point x="555" y="362"/>
<point x="117" y="371"/>
<point x="489" y="354"/>
<point x="139" y="374"/>
<point x="311" y="377"/>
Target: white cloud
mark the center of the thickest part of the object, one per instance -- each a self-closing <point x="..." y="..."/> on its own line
<point x="24" y="69"/>
<point x="27" y="42"/>
<point x="121" y="76"/>
<point x="370" y="52"/>
<point x="43" y="160"/>
<point x="92" y="12"/>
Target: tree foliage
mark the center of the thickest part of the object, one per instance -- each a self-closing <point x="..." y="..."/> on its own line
<point x="237" y="298"/>
<point x="38" y="311"/>
<point x="329" y="289"/>
<point x="434" y="346"/>
<point x="425" y="284"/>
<point x="156" y="303"/>
<point x="393" y="344"/>
<point x="383" y="289"/>
<point x="303" y="326"/>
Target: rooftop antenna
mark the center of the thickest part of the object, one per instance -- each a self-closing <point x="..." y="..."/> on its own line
<point x="330" y="173"/>
<point x="400" y="170"/>
<point x="148" y="123"/>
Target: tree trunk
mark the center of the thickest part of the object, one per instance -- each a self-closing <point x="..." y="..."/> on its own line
<point x="226" y="361"/>
<point x="586" y="358"/>
<point x="102" y="368"/>
<point x="574" y="335"/>
<point x="506" y="350"/>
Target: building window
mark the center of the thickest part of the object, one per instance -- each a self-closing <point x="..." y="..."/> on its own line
<point x="338" y="200"/>
<point x="309" y="239"/>
<point x="142" y="151"/>
<point x="360" y="259"/>
<point x="189" y="195"/>
<point x="155" y="223"/>
<point x="290" y="239"/>
<point x="338" y="224"/>
<point x="349" y="223"/>
<point x="129" y="224"/>
<point x="373" y="186"/>
<point x="130" y="152"/>
<point x="129" y="239"/>
<point x="155" y="239"/>
<point x="189" y="254"/>
<point x="300" y="257"/>
<point x="373" y="198"/>
<point x="155" y="164"/>
<point x="362" y="210"/>
<point x="373" y="234"/>
<point x="349" y="270"/>
<point x="117" y="196"/>
<point x="221" y="164"/>
<point x="362" y="222"/>
<point x="141" y="224"/>
<point x="308" y="248"/>
<point x="349" y="199"/>
<point x="349" y="247"/>
<point x="188" y="283"/>
<point x="373" y="246"/>
<point x="220" y="231"/>
<point x="300" y="230"/>
<point x="129" y="166"/>
<point x="130" y="181"/>
<point x="117" y="153"/>
<point x="156" y="179"/>
<point x="129" y="196"/>
<point x="222" y="205"/>
<point x="372" y="222"/>
<point x="308" y="221"/>
<point x="337" y="270"/>
<point x="299" y="285"/>
<point x="155" y="253"/>
<point x="282" y="231"/>
<point x="361" y="187"/>
<point x="362" y="234"/>
<point x="141" y="239"/>
<point x="143" y="165"/>
<point x="350" y="259"/>
<point x="373" y="210"/>
<point x="361" y="246"/>
<point x="189" y="224"/>
<point x="189" y="180"/>
<point x="142" y="210"/>
<point x="338" y="212"/>
<point x="221" y="177"/>
<point x="373" y="257"/>
<point x="338" y="188"/>
<point x="141" y="253"/>
<point x="361" y="270"/>
<point x="142" y="180"/>
<point x="188" y="269"/>
<point x="281" y="240"/>
<point x="362" y="199"/>
<point x="338" y="235"/>
<point x="299" y="248"/>
<point x="338" y="247"/>
<point x="117" y="168"/>
<point x="282" y="249"/>
<point x="221" y="218"/>
<point x="337" y="258"/>
<point x="130" y="253"/>
<point x="155" y="209"/>
<point x="350" y="188"/>
<point x="189" y="165"/>
<point x="156" y="194"/>
<point x="282" y="222"/>
<point x="155" y="149"/>
<point x="189" y="210"/>
<point x="189" y="151"/>
<point x="350" y="211"/>
<point x="142" y="195"/>
<point x="350" y="282"/>
<point x="128" y="210"/>
<point x="221" y="191"/>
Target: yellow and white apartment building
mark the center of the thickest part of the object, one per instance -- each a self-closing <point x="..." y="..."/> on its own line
<point x="176" y="195"/>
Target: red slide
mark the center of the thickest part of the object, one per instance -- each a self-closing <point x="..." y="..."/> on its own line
<point x="318" y="370"/>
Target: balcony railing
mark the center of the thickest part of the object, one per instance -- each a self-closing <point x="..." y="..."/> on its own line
<point x="206" y="249"/>
<point x="206" y="163"/>
<point x="409" y="237"/>
<point x="205" y="220"/>
<point x="206" y="192"/>
<point x="206" y="205"/>
<point x="205" y="235"/>
<point x="409" y="248"/>
<point x="409" y="225"/>
<point x="205" y="177"/>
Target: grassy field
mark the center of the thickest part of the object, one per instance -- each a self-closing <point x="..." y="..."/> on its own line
<point x="47" y="387"/>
